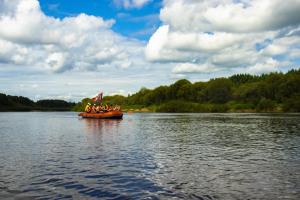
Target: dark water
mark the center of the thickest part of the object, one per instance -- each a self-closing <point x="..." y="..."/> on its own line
<point x="150" y="156"/>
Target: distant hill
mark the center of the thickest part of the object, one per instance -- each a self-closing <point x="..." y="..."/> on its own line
<point x="273" y="92"/>
<point x="19" y="103"/>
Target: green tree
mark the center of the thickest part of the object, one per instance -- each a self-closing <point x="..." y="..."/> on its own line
<point x="185" y="92"/>
<point x="290" y="86"/>
<point x="219" y="90"/>
<point x="292" y="104"/>
<point x="248" y="92"/>
<point x="239" y="79"/>
<point x="265" y="105"/>
<point x="173" y="89"/>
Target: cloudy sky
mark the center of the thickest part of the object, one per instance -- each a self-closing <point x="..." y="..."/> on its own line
<point x="73" y="49"/>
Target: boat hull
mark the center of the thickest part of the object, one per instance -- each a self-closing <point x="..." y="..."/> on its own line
<point x="105" y="115"/>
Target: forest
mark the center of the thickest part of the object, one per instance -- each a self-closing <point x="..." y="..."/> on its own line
<point x="19" y="103"/>
<point x="273" y="92"/>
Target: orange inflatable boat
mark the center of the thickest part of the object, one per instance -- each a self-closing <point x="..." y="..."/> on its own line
<point x="103" y="115"/>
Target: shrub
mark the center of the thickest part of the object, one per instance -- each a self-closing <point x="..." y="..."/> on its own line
<point x="219" y="108"/>
<point x="176" y="106"/>
<point x="265" y="105"/>
<point x="292" y="104"/>
<point x="240" y="106"/>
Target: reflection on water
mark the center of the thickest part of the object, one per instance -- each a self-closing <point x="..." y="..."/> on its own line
<point x="150" y="156"/>
<point x="96" y="126"/>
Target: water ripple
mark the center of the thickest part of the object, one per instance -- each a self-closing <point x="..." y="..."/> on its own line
<point x="150" y="156"/>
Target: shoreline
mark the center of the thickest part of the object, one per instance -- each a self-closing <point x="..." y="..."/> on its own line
<point x="149" y="111"/>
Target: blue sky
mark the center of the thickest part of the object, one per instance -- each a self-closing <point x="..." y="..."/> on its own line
<point x="139" y="23"/>
<point x="71" y="49"/>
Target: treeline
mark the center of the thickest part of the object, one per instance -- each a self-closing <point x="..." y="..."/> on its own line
<point x="19" y="103"/>
<point x="274" y="92"/>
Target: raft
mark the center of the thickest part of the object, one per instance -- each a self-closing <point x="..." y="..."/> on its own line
<point x="103" y="115"/>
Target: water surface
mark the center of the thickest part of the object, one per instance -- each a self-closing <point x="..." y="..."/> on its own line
<point x="50" y="155"/>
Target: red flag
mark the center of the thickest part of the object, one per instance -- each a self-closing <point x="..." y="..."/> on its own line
<point x="98" y="98"/>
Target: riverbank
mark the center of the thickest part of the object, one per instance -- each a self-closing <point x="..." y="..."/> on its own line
<point x="191" y="107"/>
<point x="273" y="92"/>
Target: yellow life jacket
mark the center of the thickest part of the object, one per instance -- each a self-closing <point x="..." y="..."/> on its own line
<point x="87" y="108"/>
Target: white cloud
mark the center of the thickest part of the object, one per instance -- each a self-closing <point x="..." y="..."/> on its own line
<point x="269" y="65"/>
<point x="82" y="42"/>
<point x="178" y="76"/>
<point x="57" y="61"/>
<point x="155" y="48"/>
<point x="194" y="68"/>
<point x="128" y="4"/>
<point x="282" y="46"/>
<point x="198" y="39"/>
<point x="202" y="36"/>
<point x="82" y="50"/>
<point x="26" y="23"/>
<point x="119" y="92"/>
<point x="295" y="54"/>
<point x="274" y="49"/>
<point x="230" y="16"/>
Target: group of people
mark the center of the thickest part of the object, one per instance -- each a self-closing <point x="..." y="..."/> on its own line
<point x="101" y="108"/>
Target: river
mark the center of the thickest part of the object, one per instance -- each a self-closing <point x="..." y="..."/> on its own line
<point x="56" y="155"/>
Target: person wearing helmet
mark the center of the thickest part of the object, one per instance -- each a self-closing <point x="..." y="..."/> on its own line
<point x="88" y="108"/>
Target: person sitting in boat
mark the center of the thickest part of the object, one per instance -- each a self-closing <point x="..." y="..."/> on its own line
<point x="117" y="108"/>
<point x="106" y="108"/>
<point x="110" y="107"/>
<point x="98" y="109"/>
<point x="94" y="108"/>
<point x="101" y="108"/>
<point x="88" y="108"/>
